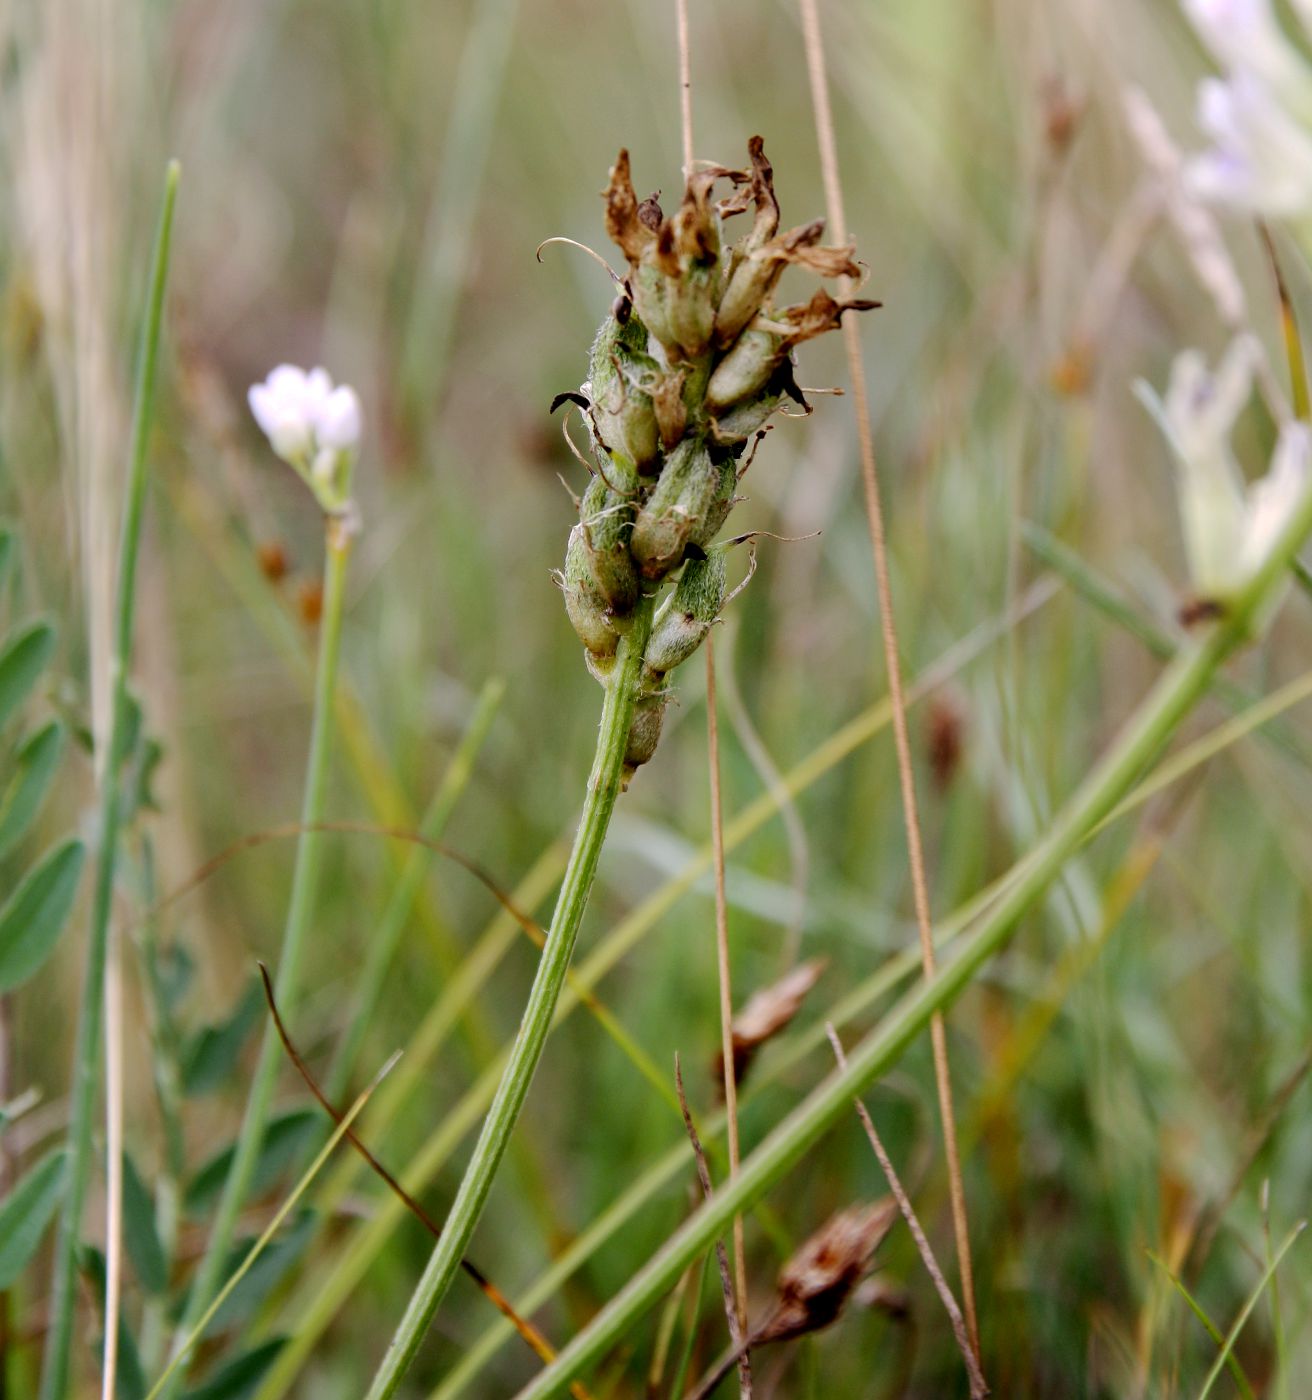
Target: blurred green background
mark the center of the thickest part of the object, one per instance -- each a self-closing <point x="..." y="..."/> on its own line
<point x="364" y="186"/>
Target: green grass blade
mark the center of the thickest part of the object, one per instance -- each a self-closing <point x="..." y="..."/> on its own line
<point x="1233" y="1335"/>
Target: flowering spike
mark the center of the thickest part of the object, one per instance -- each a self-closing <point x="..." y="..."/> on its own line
<point x="688" y="366"/>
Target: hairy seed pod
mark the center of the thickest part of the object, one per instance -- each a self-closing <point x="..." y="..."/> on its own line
<point x="738" y="423"/>
<point x="683" y="623"/>
<point x="692" y="309"/>
<point x="584" y="604"/>
<point x="622" y="414"/>
<point x="651" y="300"/>
<point x="606" y="516"/>
<point x="745" y="370"/>
<point x="677" y="507"/>
<point x="721" y="503"/>
<point x="645" y="732"/>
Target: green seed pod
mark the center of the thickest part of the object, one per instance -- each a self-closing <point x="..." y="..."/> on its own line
<point x="645" y="732"/>
<point x="745" y="370"/>
<point x="677" y="507"/>
<point x="651" y="300"/>
<point x="722" y="502"/>
<point x="692" y="308"/>
<point x="688" y="615"/>
<point x="623" y="418"/>
<point x="738" y="423"/>
<point x="584" y="604"/>
<point x="607" y="521"/>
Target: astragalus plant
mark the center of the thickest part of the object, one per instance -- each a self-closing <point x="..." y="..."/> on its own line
<point x="685" y="372"/>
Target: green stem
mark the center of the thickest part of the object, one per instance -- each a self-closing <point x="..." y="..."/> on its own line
<point x="603" y="789"/>
<point x="87" y="1050"/>
<point x="305" y="879"/>
<point x="1184" y="682"/>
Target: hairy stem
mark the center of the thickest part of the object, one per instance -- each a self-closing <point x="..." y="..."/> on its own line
<point x="87" y="1049"/>
<point x="305" y="879"/>
<point x="603" y="789"/>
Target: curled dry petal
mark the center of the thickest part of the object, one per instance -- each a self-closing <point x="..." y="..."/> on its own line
<point x="632" y="233"/>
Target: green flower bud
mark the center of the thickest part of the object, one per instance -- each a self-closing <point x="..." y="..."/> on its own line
<point x="623" y="419"/>
<point x="678" y="507"/>
<point x="607" y="522"/>
<point x="584" y="604"/>
<point x="689" y="613"/>
<point x="745" y="370"/>
<point x="645" y="732"/>
<point x="722" y="502"/>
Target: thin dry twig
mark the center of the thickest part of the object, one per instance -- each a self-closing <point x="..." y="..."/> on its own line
<point x="978" y="1386"/>
<point x="535" y="1339"/>
<point x="740" y="1343"/>
<point x="717" y="816"/>
<point x="726" y="990"/>
<point x="113" y="1164"/>
<point x="824" y="124"/>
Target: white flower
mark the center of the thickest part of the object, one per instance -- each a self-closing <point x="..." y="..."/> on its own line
<point x="1193" y="221"/>
<point x="1229" y="527"/>
<point x="1262" y="157"/>
<point x="311" y="425"/>
<point x="1246" y="37"/>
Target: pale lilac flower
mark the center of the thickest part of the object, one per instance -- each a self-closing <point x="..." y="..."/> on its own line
<point x="1261" y="159"/>
<point x="312" y="426"/>
<point x="1246" y="37"/>
<point x="1229" y="527"/>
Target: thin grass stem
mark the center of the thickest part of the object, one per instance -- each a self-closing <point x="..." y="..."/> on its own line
<point x="59" y="1339"/>
<point x="824" y="125"/>
<point x="305" y="880"/>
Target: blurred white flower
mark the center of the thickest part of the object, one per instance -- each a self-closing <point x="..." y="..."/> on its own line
<point x="1259" y="115"/>
<point x="1229" y="527"/>
<point x="1262" y="156"/>
<point x="1192" y="220"/>
<point x="1246" y="37"/>
<point x="311" y="425"/>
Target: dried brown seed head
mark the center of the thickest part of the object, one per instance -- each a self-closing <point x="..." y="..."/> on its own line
<point x="815" y="1284"/>
<point x="768" y="1012"/>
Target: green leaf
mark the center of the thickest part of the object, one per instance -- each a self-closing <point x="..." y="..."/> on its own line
<point x="139" y="1232"/>
<point x="25" y="1213"/>
<point x="210" y="1056"/>
<point x="130" y="1375"/>
<point x="287" y="1137"/>
<point x="21" y="662"/>
<point x="7" y="543"/>
<point x="238" y="1379"/>
<point x="35" y="914"/>
<point x="35" y="764"/>
<point x="265" y="1273"/>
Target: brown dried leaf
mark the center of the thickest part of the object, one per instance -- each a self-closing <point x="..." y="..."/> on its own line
<point x="815" y="1284"/>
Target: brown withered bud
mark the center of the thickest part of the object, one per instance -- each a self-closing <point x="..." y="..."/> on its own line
<point x="756" y="275"/>
<point x="766" y="1013"/>
<point x="944" y="740"/>
<point x="816" y="1283"/>
<point x="310" y="602"/>
<point x="274" y="564"/>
